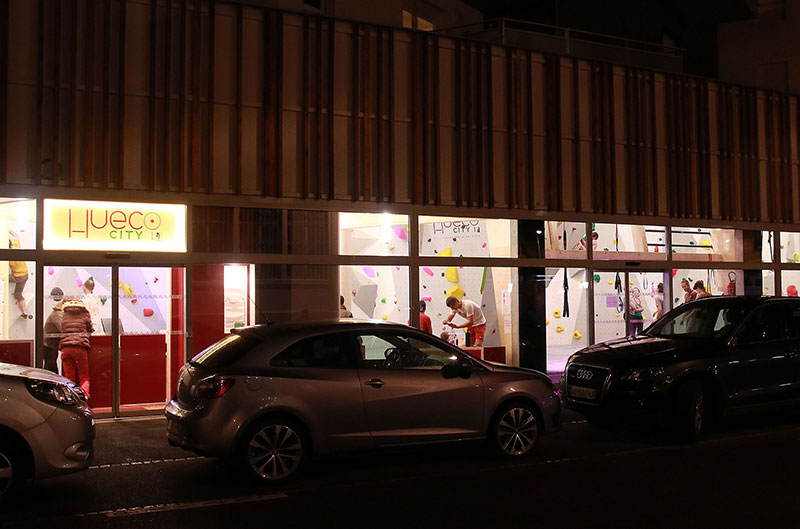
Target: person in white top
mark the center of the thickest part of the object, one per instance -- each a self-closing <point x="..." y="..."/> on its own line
<point x="470" y="311"/>
<point x="92" y="303"/>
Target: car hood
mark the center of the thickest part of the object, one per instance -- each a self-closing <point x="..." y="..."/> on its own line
<point x="14" y="370"/>
<point x="645" y="350"/>
<point x="527" y="372"/>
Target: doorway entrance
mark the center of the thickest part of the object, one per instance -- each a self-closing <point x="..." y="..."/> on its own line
<point x="137" y="343"/>
<point x="625" y="302"/>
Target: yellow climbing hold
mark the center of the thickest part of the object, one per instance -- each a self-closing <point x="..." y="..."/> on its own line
<point x="796" y="256"/>
<point x="127" y="289"/>
<point x="391" y="248"/>
<point x="447" y="252"/>
<point x="610" y="282"/>
<point x="559" y="329"/>
<point x="456" y="291"/>
<point x="452" y="274"/>
<point x="547" y="321"/>
<point x="385" y="317"/>
<point x="577" y="335"/>
<point x="705" y="243"/>
<point x="556" y="313"/>
<point x="630" y="281"/>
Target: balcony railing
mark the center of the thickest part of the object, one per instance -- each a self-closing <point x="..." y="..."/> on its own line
<point x="576" y="43"/>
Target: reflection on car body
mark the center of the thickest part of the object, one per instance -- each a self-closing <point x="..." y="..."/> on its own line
<point x="713" y="356"/>
<point x="272" y="394"/>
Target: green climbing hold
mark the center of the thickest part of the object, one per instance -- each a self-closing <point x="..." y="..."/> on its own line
<point x="677" y="299"/>
<point x="383" y="300"/>
<point x="691" y="242"/>
<point x="605" y="249"/>
<point x="597" y="278"/>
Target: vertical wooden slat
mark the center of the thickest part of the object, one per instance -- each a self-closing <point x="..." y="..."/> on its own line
<point x="458" y="165"/>
<point x="167" y="112"/>
<point x="531" y="142"/>
<point x="576" y="131"/>
<point x="304" y="113"/>
<point x="519" y="176"/>
<point x="72" y="97"/>
<point x="195" y="113"/>
<point x="436" y="133"/>
<point x="106" y="93"/>
<point x="489" y="179"/>
<point x="4" y="8"/>
<point x="366" y="83"/>
<point x="355" y="102"/>
<point x="182" y="100"/>
<point x="379" y="96"/>
<point x="39" y="140"/>
<point x="266" y="97"/>
<point x="56" y="122"/>
<point x="469" y="133"/>
<point x="239" y="96"/>
<point x="88" y="99"/>
<point x="123" y="16"/>
<point x="424" y="109"/>
<point x="278" y="191"/>
<point x="553" y="140"/>
<point x="658" y="209"/>
<point x="480" y="141"/>
<point x="417" y="181"/>
<point x="212" y="33"/>
<point x="631" y="182"/>
<point x="320" y="130"/>
<point x="391" y="117"/>
<point x="610" y="139"/>
<point x="151" y="166"/>
<point x="510" y="129"/>
<point x="331" y="129"/>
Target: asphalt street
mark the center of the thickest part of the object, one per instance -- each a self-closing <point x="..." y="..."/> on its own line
<point x="743" y="474"/>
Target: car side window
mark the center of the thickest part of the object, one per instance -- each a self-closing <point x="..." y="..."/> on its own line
<point x="400" y="351"/>
<point x="766" y="324"/>
<point x="336" y="351"/>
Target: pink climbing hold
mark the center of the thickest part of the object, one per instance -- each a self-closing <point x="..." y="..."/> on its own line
<point x="50" y="270"/>
<point x="428" y="271"/>
<point x="427" y="298"/>
<point x="483" y="245"/>
<point x="79" y="282"/>
<point x="369" y="271"/>
<point x="148" y="312"/>
<point x="400" y="232"/>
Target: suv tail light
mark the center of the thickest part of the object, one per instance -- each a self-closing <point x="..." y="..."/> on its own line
<point x="213" y="388"/>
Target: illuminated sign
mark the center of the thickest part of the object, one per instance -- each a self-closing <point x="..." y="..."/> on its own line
<point x="114" y="226"/>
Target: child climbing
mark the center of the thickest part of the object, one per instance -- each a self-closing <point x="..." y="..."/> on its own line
<point x="18" y="276"/>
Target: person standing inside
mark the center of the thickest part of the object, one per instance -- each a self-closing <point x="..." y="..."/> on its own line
<point x="76" y="327"/>
<point x="424" y="319"/>
<point x="92" y="302"/>
<point x="343" y="312"/>
<point x="470" y="311"/>
<point x="52" y="332"/>
<point x="18" y="276"/>
<point x="700" y="289"/>
<point x="690" y="294"/>
<point x="636" y="310"/>
<point x="659" y="297"/>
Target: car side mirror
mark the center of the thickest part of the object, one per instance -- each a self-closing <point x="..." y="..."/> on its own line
<point x="456" y="370"/>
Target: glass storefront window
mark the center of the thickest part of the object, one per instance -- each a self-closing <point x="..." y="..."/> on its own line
<point x="238" y="284"/>
<point x="374" y="293"/>
<point x="493" y="289"/>
<point x="566" y="315"/>
<point x="768" y="282"/>
<point x="714" y="282"/>
<point x="706" y="244"/>
<point x="790" y="283"/>
<point x="18" y="219"/>
<point x="17" y="310"/>
<point x="467" y="237"/>
<point x="629" y="242"/>
<point x="790" y="247"/>
<point x="767" y="248"/>
<point x="566" y="240"/>
<point x="609" y="305"/>
<point x="91" y="286"/>
<point x="373" y="234"/>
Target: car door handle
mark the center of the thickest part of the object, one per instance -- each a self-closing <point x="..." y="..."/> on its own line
<point x="374" y="382"/>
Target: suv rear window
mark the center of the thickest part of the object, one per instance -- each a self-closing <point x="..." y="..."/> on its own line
<point x="226" y="351"/>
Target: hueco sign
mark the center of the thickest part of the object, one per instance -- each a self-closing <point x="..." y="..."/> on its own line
<point x="114" y="226"/>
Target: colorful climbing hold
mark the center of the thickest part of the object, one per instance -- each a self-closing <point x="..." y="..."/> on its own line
<point x="577" y="335"/>
<point x="400" y="232"/>
<point x="556" y="313"/>
<point x="369" y="271"/>
<point x="597" y="278"/>
<point x="559" y="329"/>
<point x="147" y="312"/>
<point x="428" y="271"/>
<point x="385" y="317"/>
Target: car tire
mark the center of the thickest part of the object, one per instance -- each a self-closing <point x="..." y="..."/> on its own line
<point x="514" y="430"/>
<point x="689" y="412"/>
<point x="274" y="450"/>
<point x="12" y="473"/>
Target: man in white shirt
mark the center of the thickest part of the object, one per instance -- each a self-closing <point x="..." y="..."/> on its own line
<point x="470" y="311"/>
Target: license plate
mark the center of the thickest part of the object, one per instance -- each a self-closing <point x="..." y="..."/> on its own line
<point x="582" y="393"/>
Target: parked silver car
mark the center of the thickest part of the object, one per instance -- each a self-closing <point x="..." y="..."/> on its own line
<point x="46" y="427"/>
<point x="271" y="395"/>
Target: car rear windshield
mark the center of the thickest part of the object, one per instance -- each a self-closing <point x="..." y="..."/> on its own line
<point x="226" y="351"/>
<point x="701" y="320"/>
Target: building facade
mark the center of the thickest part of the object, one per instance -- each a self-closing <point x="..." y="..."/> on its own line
<point x="211" y="164"/>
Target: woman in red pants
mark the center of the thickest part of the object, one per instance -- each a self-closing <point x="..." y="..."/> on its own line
<point x="76" y="326"/>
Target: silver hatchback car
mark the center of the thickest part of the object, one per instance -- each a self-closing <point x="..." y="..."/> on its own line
<point x="271" y="395"/>
<point x="46" y="427"/>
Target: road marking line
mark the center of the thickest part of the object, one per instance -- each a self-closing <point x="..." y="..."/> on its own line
<point x="145" y="462"/>
<point x="167" y="507"/>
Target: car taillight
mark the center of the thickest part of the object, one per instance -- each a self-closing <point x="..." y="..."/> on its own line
<point x="214" y="387"/>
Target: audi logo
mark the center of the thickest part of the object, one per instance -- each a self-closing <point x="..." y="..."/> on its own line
<point x="583" y="374"/>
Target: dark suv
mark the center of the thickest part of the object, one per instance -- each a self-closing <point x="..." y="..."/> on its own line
<point x="718" y="355"/>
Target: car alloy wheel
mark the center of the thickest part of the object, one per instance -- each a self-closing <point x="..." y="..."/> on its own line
<point x="517" y="431"/>
<point x="275" y="451"/>
<point x="10" y="470"/>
